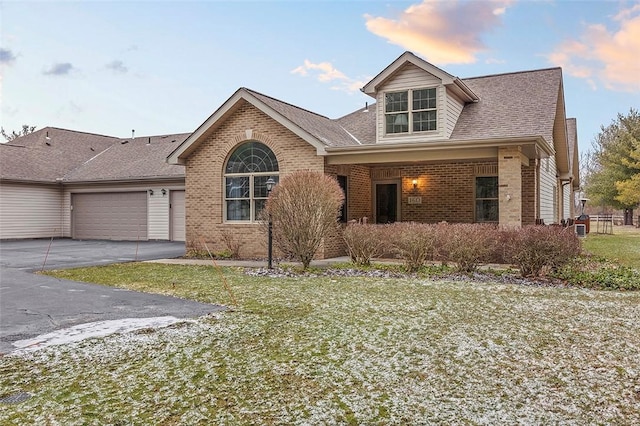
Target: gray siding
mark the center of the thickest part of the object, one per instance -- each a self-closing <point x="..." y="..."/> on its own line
<point x="178" y="216"/>
<point x="411" y="77"/>
<point x="30" y="211"/>
<point x="158" y="215"/>
<point x="454" y="108"/>
<point x="548" y="191"/>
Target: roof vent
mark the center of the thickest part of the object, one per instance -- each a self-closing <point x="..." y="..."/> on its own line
<point x="149" y="141"/>
<point x="133" y="133"/>
<point x="47" y="137"/>
<point x="124" y="142"/>
<point x="366" y="107"/>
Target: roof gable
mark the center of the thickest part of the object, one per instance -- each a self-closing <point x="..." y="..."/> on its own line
<point x="453" y="83"/>
<point x="317" y="130"/>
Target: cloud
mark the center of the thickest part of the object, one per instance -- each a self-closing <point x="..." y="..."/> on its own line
<point x="443" y="32"/>
<point x="605" y="57"/>
<point x="325" y="72"/>
<point x="117" y="67"/>
<point x="6" y="57"/>
<point x="63" y="68"/>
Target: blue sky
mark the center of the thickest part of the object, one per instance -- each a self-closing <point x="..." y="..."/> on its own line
<point x="162" y="67"/>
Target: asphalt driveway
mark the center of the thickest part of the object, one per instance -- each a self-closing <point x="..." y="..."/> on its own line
<point x="31" y="304"/>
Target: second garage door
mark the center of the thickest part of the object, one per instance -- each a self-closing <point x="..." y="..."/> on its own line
<point x="109" y="216"/>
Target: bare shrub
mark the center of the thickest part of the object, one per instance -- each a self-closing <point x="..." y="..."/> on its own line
<point x="535" y="249"/>
<point x="468" y="245"/>
<point x="303" y="208"/>
<point x="365" y="242"/>
<point x="415" y="243"/>
<point x="232" y="242"/>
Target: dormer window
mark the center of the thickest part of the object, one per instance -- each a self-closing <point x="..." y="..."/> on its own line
<point x="420" y="118"/>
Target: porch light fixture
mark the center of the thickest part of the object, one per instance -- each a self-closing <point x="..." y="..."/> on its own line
<point x="415" y="183"/>
<point x="270" y="183"/>
<point x="164" y="192"/>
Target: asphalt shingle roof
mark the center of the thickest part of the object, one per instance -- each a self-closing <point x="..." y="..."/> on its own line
<point x="35" y="158"/>
<point x="520" y="104"/>
<point x="71" y="156"/>
<point x="140" y="158"/>
<point x="326" y="130"/>
<point x="511" y="105"/>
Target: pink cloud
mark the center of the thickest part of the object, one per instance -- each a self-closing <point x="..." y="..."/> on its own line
<point x="325" y="72"/>
<point x="443" y="32"/>
<point x="609" y="57"/>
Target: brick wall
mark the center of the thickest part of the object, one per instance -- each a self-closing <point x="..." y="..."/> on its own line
<point x="447" y="191"/>
<point x="204" y="176"/>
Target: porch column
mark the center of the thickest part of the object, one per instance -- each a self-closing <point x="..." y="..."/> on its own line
<point x="510" y="186"/>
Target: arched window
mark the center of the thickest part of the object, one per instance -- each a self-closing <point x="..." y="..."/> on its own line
<point x="245" y="177"/>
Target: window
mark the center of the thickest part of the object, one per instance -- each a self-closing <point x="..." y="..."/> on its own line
<point x="420" y="118"/>
<point x="245" y="180"/>
<point x="487" y="199"/>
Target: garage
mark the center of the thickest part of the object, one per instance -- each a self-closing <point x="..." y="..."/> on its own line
<point x="177" y="216"/>
<point x="109" y="216"/>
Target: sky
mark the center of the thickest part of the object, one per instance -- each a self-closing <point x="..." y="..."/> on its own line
<point x="163" y="67"/>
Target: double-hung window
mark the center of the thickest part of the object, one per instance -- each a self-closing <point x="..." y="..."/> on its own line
<point x="410" y="111"/>
<point x="246" y="173"/>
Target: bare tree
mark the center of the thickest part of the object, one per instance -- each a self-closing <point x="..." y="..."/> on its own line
<point x="26" y="129"/>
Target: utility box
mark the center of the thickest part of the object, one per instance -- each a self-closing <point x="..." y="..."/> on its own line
<point x="581" y="230"/>
<point x="583" y="220"/>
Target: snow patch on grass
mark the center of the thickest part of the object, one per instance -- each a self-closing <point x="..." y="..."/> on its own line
<point x="90" y="330"/>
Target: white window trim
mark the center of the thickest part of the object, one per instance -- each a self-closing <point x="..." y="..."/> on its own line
<point x="252" y="212"/>
<point x="410" y="111"/>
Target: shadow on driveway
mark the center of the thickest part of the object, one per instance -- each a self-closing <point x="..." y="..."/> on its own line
<point x="31" y="304"/>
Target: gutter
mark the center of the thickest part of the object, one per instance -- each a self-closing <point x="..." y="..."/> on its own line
<point x="538" y="141"/>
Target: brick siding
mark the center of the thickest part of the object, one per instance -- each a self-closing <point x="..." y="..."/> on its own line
<point x="204" y="176"/>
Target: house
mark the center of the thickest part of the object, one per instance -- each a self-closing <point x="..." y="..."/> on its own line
<point x="432" y="147"/>
<point x="62" y="183"/>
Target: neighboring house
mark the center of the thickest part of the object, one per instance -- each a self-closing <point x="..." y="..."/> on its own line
<point x="63" y="183"/>
<point x="494" y="149"/>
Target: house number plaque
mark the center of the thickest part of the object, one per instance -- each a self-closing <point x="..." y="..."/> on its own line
<point x="415" y="200"/>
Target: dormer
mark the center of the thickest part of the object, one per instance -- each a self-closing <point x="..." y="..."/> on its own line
<point x="417" y="101"/>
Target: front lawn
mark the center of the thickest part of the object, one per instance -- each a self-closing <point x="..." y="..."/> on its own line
<point x="343" y="350"/>
<point x="621" y="247"/>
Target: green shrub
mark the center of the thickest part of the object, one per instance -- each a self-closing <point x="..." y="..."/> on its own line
<point x="599" y="274"/>
<point x="537" y="249"/>
<point x="365" y="242"/>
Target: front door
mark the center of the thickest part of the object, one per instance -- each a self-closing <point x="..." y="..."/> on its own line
<point x="386" y="202"/>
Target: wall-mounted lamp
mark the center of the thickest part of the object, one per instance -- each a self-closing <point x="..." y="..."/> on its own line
<point x="415" y="183"/>
<point x="164" y="192"/>
<point x="508" y="197"/>
<point x="151" y="192"/>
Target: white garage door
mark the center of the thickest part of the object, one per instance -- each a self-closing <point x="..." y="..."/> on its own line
<point x="177" y="216"/>
<point x="110" y="216"/>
